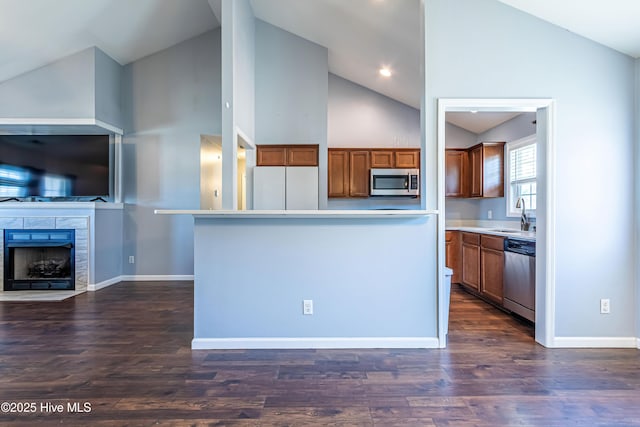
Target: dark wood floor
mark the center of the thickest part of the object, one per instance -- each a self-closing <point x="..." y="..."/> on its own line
<point x="126" y="351"/>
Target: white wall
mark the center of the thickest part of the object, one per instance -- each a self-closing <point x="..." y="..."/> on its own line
<point x="501" y="52"/>
<point x="171" y="98"/>
<point x="637" y="197"/>
<point x="360" y="117"/>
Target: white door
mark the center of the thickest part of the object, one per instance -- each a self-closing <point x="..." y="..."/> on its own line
<point x="302" y="188"/>
<point x="269" y="188"/>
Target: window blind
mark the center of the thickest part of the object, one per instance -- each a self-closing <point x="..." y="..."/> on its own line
<point x="523" y="163"/>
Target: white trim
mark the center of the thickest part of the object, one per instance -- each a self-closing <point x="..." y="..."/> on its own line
<point x="311" y="343"/>
<point x="510" y="146"/>
<point x="60" y="122"/>
<point x="638" y="343"/>
<point x="61" y="205"/>
<point x="250" y="144"/>
<point x="92" y="287"/>
<point x="547" y="307"/>
<point x="156" y="278"/>
<point x="596" y="342"/>
<point x="313" y="214"/>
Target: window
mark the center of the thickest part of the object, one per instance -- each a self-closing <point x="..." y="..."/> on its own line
<point x="521" y="178"/>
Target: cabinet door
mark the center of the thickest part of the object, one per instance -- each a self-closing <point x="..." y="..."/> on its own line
<point x="302" y="155"/>
<point x="455" y="167"/>
<point x="359" y="173"/>
<point x="302" y="187"/>
<point x="271" y="155"/>
<point x="471" y="266"/>
<point x="338" y="173"/>
<point x="269" y="188"/>
<point x="381" y="159"/>
<point x="493" y="169"/>
<point x="453" y="256"/>
<point x="475" y="163"/>
<point x="492" y="267"/>
<point x="408" y="159"/>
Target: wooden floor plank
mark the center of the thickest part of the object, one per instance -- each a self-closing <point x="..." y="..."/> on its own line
<point x="126" y="350"/>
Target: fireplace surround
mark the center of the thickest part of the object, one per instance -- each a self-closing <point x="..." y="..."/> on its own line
<point x="39" y="259"/>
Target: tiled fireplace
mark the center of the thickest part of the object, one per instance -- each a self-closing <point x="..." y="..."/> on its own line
<point x="44" y="253"/>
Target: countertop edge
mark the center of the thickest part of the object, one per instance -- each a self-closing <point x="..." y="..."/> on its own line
<point x="482" y="230"/>
<point x="299" y="213"/>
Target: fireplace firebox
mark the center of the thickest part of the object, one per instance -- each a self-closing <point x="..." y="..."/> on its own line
<point x="39" y="260"/>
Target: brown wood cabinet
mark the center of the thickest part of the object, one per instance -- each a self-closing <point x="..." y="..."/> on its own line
<point x="453" y="255"/>
<point x="456" y="164"/>
<point x="492" y="267"/>
<point x="382" y="159"/>
<point x="348" y="173"/>
<point x="349" y="168"/>
<point x="475" y="172"/>
<point x="338" y="173"/>
<point x="487" y="169"/>
<point x="407" y="159"/>
<point x="471" y="260"/>
<point x="287" y="155"/>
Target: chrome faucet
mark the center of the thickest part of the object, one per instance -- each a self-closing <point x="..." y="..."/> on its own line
<point x="524" y="220"/>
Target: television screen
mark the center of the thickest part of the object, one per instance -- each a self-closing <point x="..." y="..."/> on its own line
<point x="54" y="166"/>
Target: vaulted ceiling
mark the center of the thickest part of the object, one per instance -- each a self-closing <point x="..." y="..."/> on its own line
<point x="361" y="35"/>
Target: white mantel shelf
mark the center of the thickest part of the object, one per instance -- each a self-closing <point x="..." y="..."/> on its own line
<point x="60" y="205"/>
<point x="312" y="214"/>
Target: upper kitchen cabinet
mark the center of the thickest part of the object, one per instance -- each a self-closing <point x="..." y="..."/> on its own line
<point x="287" y="155"/>
<point x="475" y="172"/>
<point x="395" y="158"/>
<point x="348" y="173"/>
<point x="456" y="164"/>
<point x="487" y="169"/>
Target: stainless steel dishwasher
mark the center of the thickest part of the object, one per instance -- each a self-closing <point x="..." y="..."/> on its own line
<point x="520" y="277"/>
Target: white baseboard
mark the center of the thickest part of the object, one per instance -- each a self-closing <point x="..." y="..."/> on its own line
<point x="638" y="339"/>
<point x="596" y="342"/>
<point x="92" y="287"/>
<point x="311" y="343"/>
<point x="155" y="278"/>
<point x="137" y="278"/>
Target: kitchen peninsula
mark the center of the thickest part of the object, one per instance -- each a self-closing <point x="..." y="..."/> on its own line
<point x="370" y="277"/>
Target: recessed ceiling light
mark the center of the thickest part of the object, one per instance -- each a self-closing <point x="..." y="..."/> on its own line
<point x="385" y="72"/>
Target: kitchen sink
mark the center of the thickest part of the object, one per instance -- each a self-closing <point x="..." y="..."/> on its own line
<point x="507" y="230"/>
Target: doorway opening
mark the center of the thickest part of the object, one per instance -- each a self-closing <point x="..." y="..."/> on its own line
<point x="539" y="114"/>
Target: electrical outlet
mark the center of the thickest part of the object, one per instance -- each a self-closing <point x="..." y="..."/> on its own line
<point x="132" y="259"/>
<point x="489" y="214"/>
<point x="605" y="306"/>
<point x="307" y="306"/>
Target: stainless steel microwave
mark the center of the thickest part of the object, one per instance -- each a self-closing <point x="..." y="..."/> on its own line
<point x="395" y="182"/>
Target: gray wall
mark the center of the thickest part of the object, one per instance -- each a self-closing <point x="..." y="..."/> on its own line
<point x="330" y="261"/>
<point x="291" y="93"/>
<point x="107" y="89"/>
<point x="108" y="244"/>
<point x="170" y="98"/>
<point x="360" y="117"/>
<point x="637" y="196"/>
<point x="501" y="52"/>
<point x="512" y="130"/>
<point x="63" y="89"/>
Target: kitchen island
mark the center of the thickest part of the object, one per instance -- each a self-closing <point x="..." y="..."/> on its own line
<point x="371" y="277"/>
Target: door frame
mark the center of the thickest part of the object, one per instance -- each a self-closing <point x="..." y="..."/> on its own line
<point x="545" y="240"/>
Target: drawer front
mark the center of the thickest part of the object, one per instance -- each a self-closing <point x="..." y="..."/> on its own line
<point x="492" y="242"/>
<point x="471" y="238"/>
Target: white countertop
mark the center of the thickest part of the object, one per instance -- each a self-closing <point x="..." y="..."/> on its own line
<point x="61" y="205"/>
<point x="515" y="233"/>
<point x="400" y="213"/>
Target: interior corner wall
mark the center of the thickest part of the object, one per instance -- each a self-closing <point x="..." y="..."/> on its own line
<point x="291" y="93"/>
<point x="61" y="90"/>
<point x="108" y="81"/>
<point x="501" y="52"/>
<point x="171" y="98"/>
<point x="637" y="193"/>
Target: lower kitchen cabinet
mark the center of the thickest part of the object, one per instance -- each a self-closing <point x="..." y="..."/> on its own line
<point x="471" y="260"/>
<point x="492" y="267"/>
<point x="453" y="255"/>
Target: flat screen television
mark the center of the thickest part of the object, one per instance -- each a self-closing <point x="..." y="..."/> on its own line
<point x="54" y="166"/>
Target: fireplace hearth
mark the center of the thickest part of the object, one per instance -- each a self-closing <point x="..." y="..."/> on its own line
<point x="39" y="260"/>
